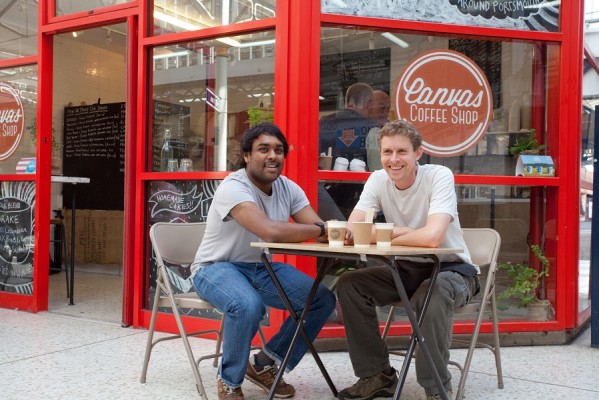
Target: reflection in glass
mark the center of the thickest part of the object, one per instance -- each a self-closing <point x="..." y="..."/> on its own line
<point x="64" y="7"/>
<point x="190" y="15"/>
<point x="18" y="95"/>
<point x="350" y="56"/>
<point x="18" y="29"/>
<point x="204" y="93"/>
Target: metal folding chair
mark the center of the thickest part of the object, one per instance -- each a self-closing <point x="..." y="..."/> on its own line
<point x="483" y="245"/>
<point x="177" y="243"/>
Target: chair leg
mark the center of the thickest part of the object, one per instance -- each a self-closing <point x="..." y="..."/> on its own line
<point x="149" y="344"/>
<point x="185" y="339"/>
<point x="219" y="340"/>
<point x="497" y="348"/>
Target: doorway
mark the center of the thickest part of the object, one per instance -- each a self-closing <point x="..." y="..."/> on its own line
<point x="89" y="103"/>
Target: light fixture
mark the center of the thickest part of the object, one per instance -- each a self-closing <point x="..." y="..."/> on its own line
<point x="77" y="33"/>
<point x="391" y="37"/>
<point x="193" y="27"/>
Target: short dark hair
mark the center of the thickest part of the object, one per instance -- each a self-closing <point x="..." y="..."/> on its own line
<point x="253" y="132"/>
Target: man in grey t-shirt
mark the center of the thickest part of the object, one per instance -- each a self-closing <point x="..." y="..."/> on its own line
<point x="255" y="204"/>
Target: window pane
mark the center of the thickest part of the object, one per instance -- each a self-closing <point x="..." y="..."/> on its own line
<point x="381" y="60"/>
<point x="526" y="15"/>
<point x="18" y="99"/>
<point x="17" y="202"/>
<point x="204" y="95"/>
<point x="189" y="15"/>
<point x="18" y="29"/>
<point x="64" y="7"/>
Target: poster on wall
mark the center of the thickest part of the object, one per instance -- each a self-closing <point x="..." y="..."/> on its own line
<point x="17" y="204"/>
<point x="533" y="15"/>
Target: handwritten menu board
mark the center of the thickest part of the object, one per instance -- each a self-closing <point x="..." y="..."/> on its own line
<point x="341" y="70"/>
<point x="94" y="147"/>
<point x="487" y="55"/>
<point x="17" y="204"/>
<point x="176" y="118"/>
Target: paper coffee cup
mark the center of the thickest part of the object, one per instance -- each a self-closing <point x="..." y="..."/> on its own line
<point x="337" y="231"/>
<point x="325" y="162"/>
<point x="341" y="164"/>
<point x="384" y="231"/>
<point x="362" y="232"/>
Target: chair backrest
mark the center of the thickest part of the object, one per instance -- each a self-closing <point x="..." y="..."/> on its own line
<point x="483" y="245"/>
<point x="176" y="243"/>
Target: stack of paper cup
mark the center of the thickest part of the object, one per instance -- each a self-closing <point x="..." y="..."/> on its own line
<point x="341" y="164"/>
<point x="357" y="165"/>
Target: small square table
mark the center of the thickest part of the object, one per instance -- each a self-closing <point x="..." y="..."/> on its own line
<point x="385" y="254"/>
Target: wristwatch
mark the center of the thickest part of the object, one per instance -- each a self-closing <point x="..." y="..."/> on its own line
<point x="322" y="230"/>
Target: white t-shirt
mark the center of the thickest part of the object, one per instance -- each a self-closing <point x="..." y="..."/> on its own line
<point x="225" y="239"/>
<point x="433" y="192"/>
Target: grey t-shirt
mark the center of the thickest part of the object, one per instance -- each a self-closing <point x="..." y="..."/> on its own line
<point x="225" y="239"/>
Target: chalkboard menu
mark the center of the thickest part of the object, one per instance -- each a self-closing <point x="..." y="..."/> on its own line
<point x="341" y="70"/>
<point x="176" y="118"/>
<point x="94" y="147"/>
<point x="487" y="55"/>
<point x="17" y="207"/>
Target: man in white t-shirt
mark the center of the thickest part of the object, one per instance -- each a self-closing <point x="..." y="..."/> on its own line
<point x="255" y="204"/>
<point x="421" y="201"/>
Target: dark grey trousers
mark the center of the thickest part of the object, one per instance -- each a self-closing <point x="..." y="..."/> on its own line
<point x="359" y="293"/>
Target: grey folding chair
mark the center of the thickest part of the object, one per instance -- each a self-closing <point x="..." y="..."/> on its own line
<point x="177" y="243"/>
<point x="483" y="245"/>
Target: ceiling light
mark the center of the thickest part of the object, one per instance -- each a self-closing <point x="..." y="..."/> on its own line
<point x="77" y="33"/>
<point x="189" y="26"/>
<point x="395" y="39"/>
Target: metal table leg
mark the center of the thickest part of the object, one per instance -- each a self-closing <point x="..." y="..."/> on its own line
<point x="417" y="334"/>
<point x="300" y="327"/>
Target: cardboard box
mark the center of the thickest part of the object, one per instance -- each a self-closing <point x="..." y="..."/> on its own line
<point x="98" y="236"/>
<point x="534" y="165"/>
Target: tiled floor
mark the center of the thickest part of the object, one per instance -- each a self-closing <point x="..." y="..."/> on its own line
<point x="82" y="352"/>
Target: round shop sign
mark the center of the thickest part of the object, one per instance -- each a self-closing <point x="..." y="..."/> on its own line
<point x="12" y="120"/>
<point x="448" y="98"/>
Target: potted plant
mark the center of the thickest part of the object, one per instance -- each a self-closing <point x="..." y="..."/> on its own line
<point x="525" y="282"/>
<point x="257" y="115"/>
<point x="527" y="145"/>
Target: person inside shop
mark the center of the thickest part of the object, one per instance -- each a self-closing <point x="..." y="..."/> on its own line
<point x="344" y="132"/>
<point x="255" y="204"/>
<point x="378" y="111"/>
<point x="421" y="201"/>
<point x="233" y="155"/>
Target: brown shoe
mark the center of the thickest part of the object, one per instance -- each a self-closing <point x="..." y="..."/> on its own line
<point x="225" y="392"/>
<point x="265" y="377"/>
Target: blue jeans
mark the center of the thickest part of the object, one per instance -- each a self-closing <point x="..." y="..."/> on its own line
<point x="243" y="291"/>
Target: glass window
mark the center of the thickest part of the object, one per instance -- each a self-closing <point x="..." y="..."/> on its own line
<point x="17" y="202"/>
<point x="190" y="15"/>
<point x="540" y="15"/>
<point x="64" y="7"/>
<point x="205" y="95"/>
<point x="18" y="29"/>
<point x="18" y="100"/>
<point x="471" y="99"/>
